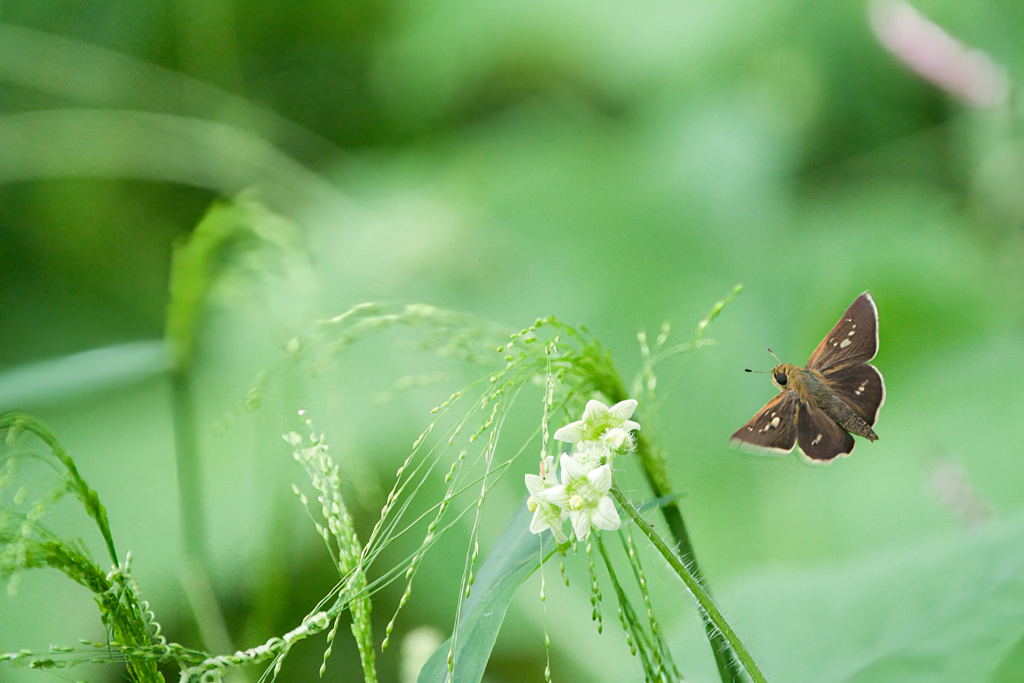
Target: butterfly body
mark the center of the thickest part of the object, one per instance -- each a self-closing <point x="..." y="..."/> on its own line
<point x="813" y="388"/>
<point x="836" y="395"/>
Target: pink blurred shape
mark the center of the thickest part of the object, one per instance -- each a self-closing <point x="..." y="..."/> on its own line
<point x="922" y="45"/>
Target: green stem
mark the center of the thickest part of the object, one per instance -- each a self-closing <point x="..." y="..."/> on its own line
<point x="707" y="607"/>
<point x="190" y="479"/>
<point x="653" y="463"/>
<point x="196" y="572"/>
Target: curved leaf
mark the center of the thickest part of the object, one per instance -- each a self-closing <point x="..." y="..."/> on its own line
<point x="513" y="559"/>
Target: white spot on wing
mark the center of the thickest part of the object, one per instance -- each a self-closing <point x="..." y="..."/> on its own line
<point x="843" y="344"/>
<point x="775" y="422"/>
<point x="816" y="440"/>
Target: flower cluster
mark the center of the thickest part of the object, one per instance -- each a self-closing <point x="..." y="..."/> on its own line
<point x="586" y="476"/>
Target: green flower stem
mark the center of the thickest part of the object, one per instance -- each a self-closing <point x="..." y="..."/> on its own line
<point x="653" y="463"/>
<point x="190" y="483"/>
<point x="693" y="584"/>
<point x="195" y="266"/>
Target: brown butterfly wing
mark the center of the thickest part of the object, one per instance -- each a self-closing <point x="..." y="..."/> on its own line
<point x="853" y="340"/>
<point x="861" y="387"/>
<point x="773" y="429"/>
<point x="820" y="439"/>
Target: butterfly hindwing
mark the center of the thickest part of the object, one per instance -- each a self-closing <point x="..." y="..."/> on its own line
<point x="861" y="387"/>
<point x="853" y="340"/>
<point x="819" y="438"/>
<point x="773" y="429"/>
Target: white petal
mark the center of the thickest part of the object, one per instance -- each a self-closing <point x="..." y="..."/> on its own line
<point x="534" y="484"/>
<point x="549" y="517"/>
<point x="631" y="426"/>
<point x="623" y="410"/>
<point x="570" y="433"/>
<point x="601" y="478"/>
<point x="559" y="534"/>
<point x="539" y="522"/>
<point x="572" y="470"/>
<point x="556" y="495"/>
<point x="594" y="410"/>
<point x="606" y="516"/>
<point x="580" y="524"/>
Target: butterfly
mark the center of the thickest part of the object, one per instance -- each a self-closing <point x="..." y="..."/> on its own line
<point x="821" y="406"/>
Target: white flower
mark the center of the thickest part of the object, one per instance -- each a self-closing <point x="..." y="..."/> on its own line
<point x="585" y="492"/>
<point x="601" y="422"/>
<point x="618" y="440"/>
<point x="548" y="513"/>
<point x="592" y="454"/>
<point x="586" y="472"/>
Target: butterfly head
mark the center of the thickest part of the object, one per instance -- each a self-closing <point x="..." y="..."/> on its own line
<point x="782" y="375"/>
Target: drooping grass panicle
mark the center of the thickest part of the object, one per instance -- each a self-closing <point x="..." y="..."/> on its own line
<point x="567" y="365"/>
<point x="637" y="638"/>
<point x="275" y="649"/>
<point x="338" y="532"/>
<point x="134" y="635"/>
<point x="645" y="383"/>
<point x="662" y="656"/>
<point x="14" y="423"/>
<point x="463" y="474"/>
<point x="496" y="421"/>
<point x="595" y="584"/>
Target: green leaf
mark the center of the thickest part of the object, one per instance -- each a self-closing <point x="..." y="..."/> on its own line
<point x="948" y="610"/>
<point x="513" y="559"/>
<point x="1011" y="669"/>
<point x="82" y="374"/>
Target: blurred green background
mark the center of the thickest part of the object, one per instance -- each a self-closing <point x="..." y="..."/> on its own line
<point x="615" y="165"/>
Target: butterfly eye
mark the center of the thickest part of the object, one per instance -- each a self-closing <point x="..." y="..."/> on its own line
<point x="780" y="378"/>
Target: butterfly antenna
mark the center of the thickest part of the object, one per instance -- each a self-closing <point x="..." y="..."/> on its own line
<point x="773" y="354"/>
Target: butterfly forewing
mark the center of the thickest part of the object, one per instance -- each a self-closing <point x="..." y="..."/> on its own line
<point x="820" y="438"/>
<point x="853" y="340"/>
<point x="773" y="428"/>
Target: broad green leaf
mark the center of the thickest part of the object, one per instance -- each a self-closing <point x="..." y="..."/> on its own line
<point x="949" y="610"/>
<point x="514" y="557"/>
<point x="82" y="373"/>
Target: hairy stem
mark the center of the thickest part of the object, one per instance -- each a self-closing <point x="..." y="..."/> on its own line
<point x="707" y="607"/>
